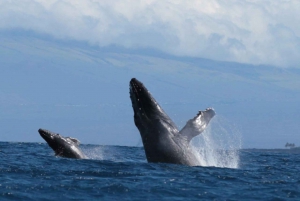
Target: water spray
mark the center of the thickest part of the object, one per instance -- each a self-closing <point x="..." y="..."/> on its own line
<point x="218" y="145"/>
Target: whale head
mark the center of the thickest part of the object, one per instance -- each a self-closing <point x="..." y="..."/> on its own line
<point x="143" y="103"/>
<point x="146" y="108"/>
<point x="58" y="143"/>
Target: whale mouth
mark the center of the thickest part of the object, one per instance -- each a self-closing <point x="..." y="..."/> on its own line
<point x="47" y="135"/>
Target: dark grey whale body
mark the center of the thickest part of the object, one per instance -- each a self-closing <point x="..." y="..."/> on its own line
<point x="63" y="146"/>
<point x="163" y="142"/>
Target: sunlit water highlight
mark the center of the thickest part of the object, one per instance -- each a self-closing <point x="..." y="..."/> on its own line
<point x="218" y="145"/>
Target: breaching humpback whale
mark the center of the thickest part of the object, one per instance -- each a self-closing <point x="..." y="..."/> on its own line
<point x="163" y="142"/>
<point x="62" y="146"/>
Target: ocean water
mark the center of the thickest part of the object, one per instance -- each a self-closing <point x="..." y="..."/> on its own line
<point x="30" y="171"/>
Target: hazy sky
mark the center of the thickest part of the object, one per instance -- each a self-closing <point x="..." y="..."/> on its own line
<point x="78" y="89"/>
<point x="247" y="31"/>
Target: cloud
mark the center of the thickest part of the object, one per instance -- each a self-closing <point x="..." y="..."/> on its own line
<point x="249" y="31"/>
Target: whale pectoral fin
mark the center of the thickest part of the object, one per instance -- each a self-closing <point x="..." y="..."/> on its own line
<point x="58" y="153"/>
<point x="191" y="129"/>
<point x="197" y="125"/>
<point x="77" y="142"/>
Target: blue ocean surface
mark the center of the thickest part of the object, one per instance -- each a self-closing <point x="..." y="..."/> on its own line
<point x="30" y="171"/>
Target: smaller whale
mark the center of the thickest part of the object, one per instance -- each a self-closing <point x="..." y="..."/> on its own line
<point x="67" y="147"/>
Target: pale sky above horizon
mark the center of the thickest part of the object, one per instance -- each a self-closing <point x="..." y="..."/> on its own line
<point x="53" y="77"/>
<point x="249" y="31"/>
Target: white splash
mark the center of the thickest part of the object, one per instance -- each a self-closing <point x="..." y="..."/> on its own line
<point x="218" y="145"/>
<point x="93" y="152"/>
